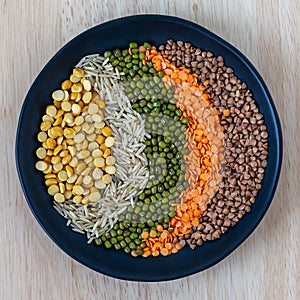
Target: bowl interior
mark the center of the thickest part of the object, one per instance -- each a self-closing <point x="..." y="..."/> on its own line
<point x="156" y="29"/>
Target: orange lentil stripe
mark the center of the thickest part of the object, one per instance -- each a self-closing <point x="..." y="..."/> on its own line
<point x="194" y="104"/>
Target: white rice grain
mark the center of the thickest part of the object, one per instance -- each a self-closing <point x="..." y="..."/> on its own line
<point x="94" y="219"/>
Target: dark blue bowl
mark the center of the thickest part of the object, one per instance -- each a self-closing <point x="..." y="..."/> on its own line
<point x="157" y="29"/>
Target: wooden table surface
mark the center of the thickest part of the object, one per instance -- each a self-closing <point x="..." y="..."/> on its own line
<point x="266" y="266"/>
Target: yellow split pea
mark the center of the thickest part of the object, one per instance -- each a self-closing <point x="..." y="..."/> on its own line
<point x="76" y="143"/>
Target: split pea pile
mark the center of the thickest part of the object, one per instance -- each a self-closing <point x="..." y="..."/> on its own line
<point x="200" y="135"/>
<point x="76" y="143"/>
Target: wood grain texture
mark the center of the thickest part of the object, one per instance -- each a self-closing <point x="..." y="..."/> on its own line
<point x="266" y="266"/>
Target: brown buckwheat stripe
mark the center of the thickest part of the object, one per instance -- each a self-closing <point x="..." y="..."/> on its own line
<point x="246" y="143"/>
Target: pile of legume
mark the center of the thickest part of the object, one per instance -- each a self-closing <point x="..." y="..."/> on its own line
<point x="146" y="150"/>
<point x="76" y="143"/>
